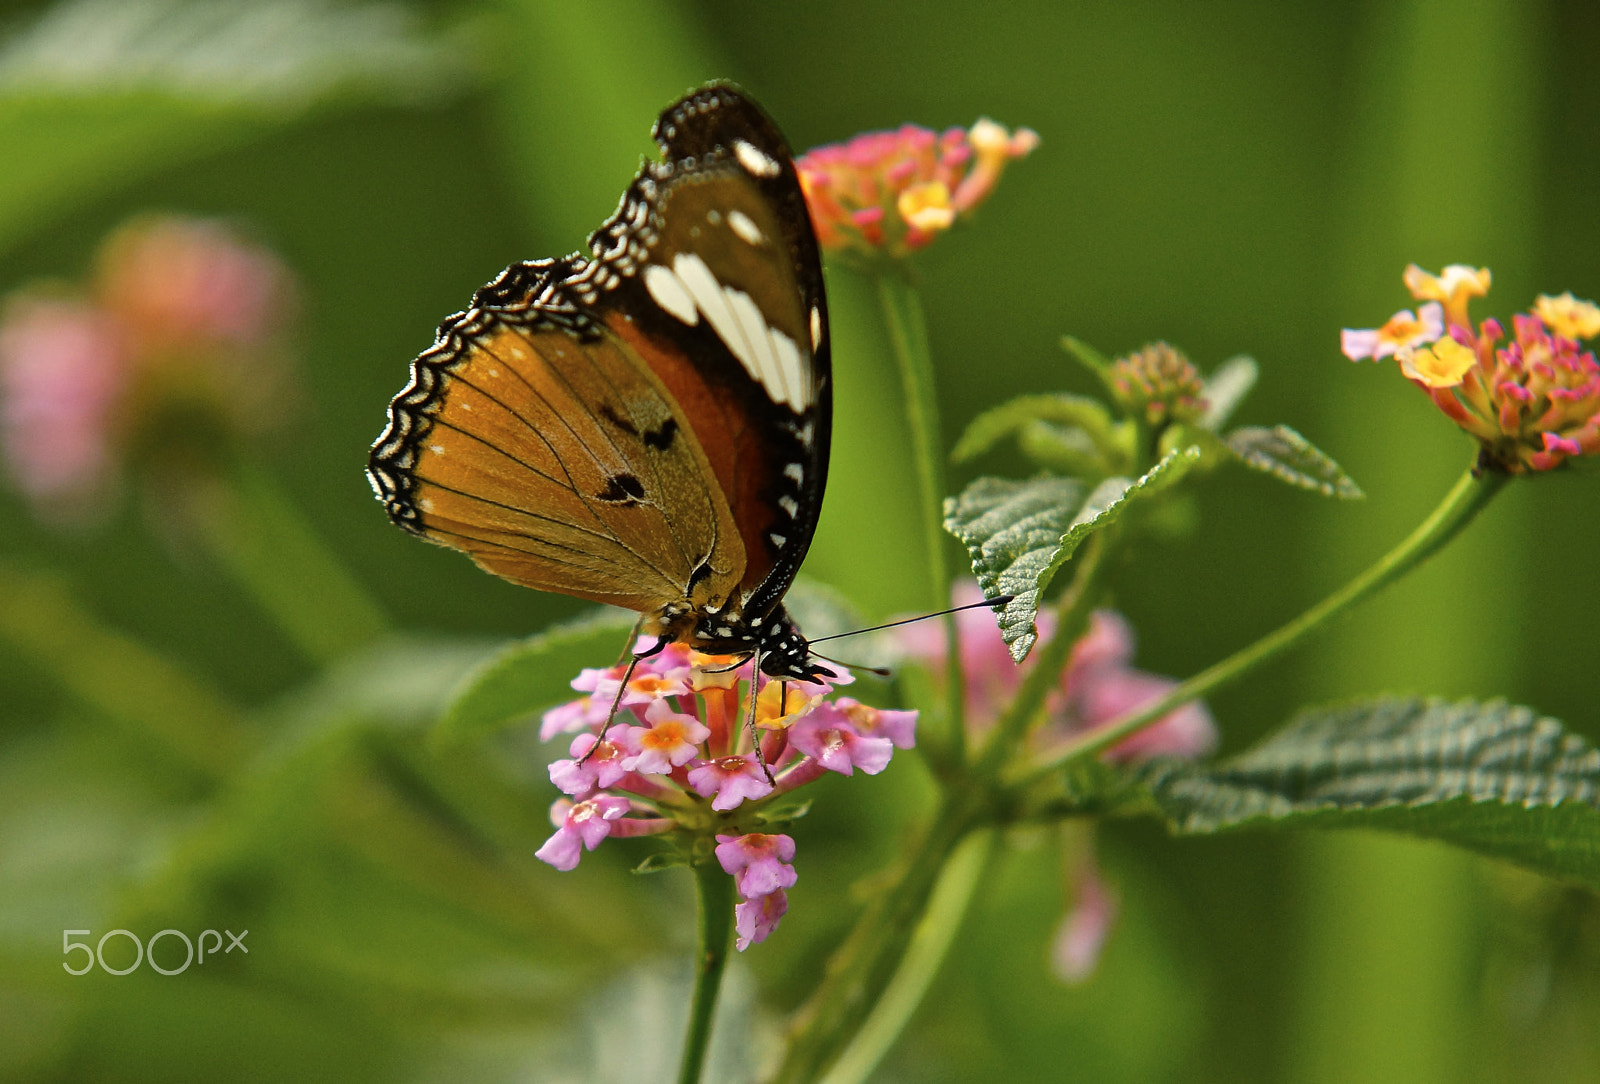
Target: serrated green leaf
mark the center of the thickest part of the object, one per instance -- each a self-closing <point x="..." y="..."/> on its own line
<point x="1286" y="455"/>
<point x="1020" y="533"/>
<point x="531" y="675"/>
<point x="1077" y="412"/>
<point x="1226" y="388"/>
<point x="1491" y="777"/>
<point x="95" y="93"/>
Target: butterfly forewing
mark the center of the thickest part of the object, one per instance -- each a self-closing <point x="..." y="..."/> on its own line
<point x="647" y="427"/>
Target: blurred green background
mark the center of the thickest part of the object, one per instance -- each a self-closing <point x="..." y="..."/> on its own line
<point x="1234" y="177"/>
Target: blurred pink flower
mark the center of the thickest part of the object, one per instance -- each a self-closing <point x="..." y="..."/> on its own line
<point x="63" y="368"/>
<point x="178" y="283"/>
<point x="1082" y="933"/>
<point x="1097" y="687"/>
<point x="182" y="321"/>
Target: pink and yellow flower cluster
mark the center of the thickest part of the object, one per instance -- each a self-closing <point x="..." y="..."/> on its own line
<point x="887" y="194"/>
<point x="1532" y="401"/>
<point x="677" y="759"/>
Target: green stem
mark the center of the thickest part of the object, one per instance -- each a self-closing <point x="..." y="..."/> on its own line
<point x="863" y="965"/>
<point x="908" y="336"/>
<point x="259" y="536"/>
<point x="714" y="889"/>
<point x="947" y="908"/>
<point x="1465" y="499"/>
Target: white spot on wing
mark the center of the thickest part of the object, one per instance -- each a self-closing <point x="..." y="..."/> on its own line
<point x="816" y="327"/>
<point x="789" y="506"/>
<point x="689" y="290"/>
<point x="795" y="471"/>
<point x="670" y="293"/>
<point x="743" y="225"/>
<point x="754" y="159"/>
<point x="796" y="374"/>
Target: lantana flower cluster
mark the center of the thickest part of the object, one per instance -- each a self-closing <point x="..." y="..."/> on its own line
<point x="887" y="194"/>
<point x="1098" y="686"/>
<point x="677" y="761"/>
<point x="1160" y="382"/>
<point x="179" y="329"/>
<point x="1532" y="401"/>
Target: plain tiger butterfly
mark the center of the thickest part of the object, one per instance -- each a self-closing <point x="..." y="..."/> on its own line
<point x="648" y="425"/>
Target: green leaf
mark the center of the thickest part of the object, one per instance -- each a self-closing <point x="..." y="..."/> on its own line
<point x="1285" y="454"/>
<point x="1226" y="388"/>
<point x="1492" y="777"/>
<point x="1065" y="449"/>
<point x="662" y="860"/>
<point x="1078" y="412"/>
<point x="532" y="675"/>
<point x="95" y="93"/>
<point x="1020" y="533"/>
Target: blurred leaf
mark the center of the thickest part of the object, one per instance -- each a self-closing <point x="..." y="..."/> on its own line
<point x="1020" y="533"/>
<point x="1090" y="358"/>
<point x="1076" y="412"/>
<point x="1226" y="388"/>
<point x="95" y="93"/>
<point x="1285" y="454"/>
<point x="533" y="674"/>
<point x="1494" y="778"/>
<point x="1063" y="449"/>
<point x="406" y="681"/>
<point x="119" y="677"/>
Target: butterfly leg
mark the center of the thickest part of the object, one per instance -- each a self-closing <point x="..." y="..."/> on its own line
<point x="750" y="719"/>
<point x="627" y="676"/>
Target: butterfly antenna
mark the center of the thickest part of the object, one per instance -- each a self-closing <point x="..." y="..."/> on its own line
<point x="859" y="667"/>
<point x="998" y="600"/>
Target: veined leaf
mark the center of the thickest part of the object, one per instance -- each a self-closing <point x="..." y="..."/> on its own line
<point x="1492" y="777"/>
<point x="529" y="676"/>
<point x="1020" y="533"/>
<point x="1075" y="412"/>
<point x="1285" y="454"/>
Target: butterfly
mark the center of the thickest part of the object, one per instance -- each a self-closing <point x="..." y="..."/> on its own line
<point x="648" y="425"/>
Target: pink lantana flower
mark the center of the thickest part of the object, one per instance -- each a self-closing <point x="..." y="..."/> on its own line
<point x="887" y="194"/>
<point x="1404" y="330"/>
<point x="1533" y="401"/>
<point x="580" y="826"/>
<point x="755" y="919"/>
<point x="828" y="736"/>
<point x="758" y="862"/>
<point x="671" y="740"/>
<point x="729" y="781"/>
<point x="678" y="761"/>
